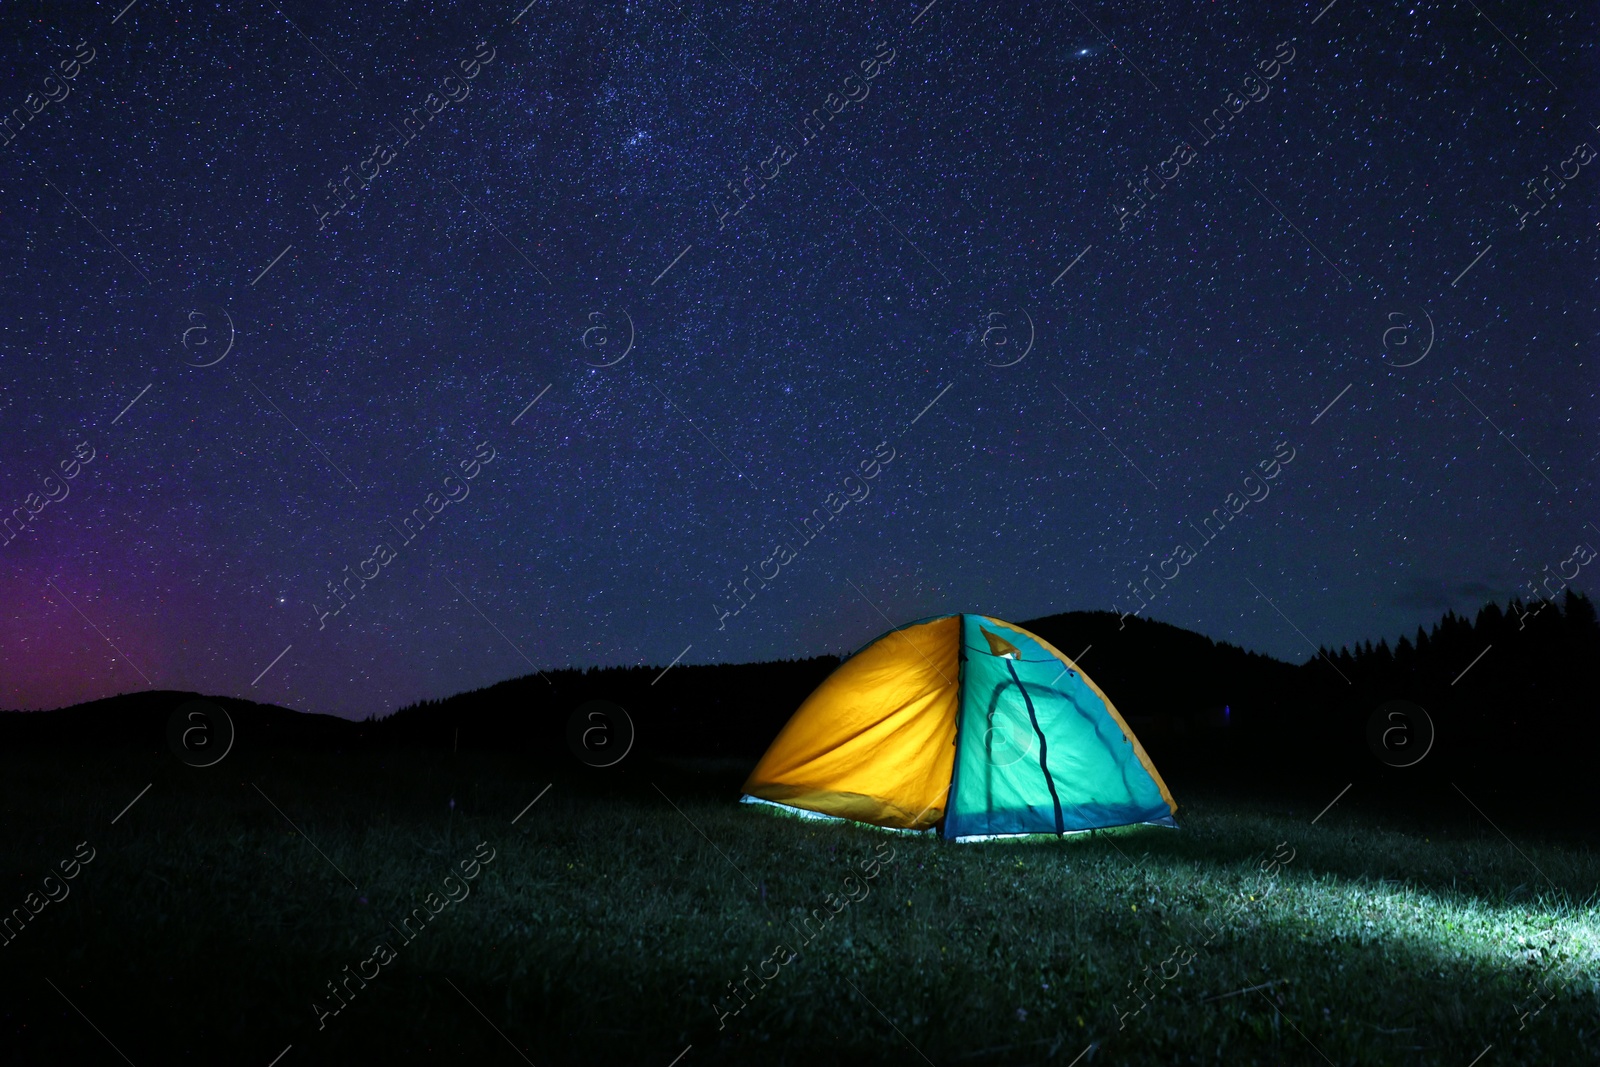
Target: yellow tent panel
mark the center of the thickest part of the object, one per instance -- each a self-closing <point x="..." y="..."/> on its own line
<point x="860" y="746"/>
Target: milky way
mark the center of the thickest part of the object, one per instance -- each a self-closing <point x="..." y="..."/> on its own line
<point x="285" y="271"/>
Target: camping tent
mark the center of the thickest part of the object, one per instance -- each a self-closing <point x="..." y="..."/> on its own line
<point x="964" y="723"/>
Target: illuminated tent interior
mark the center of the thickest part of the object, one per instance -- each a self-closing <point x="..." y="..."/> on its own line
<point x="968" y="725"/>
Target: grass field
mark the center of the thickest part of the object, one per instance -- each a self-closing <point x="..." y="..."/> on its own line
<point x="618" y="909"/>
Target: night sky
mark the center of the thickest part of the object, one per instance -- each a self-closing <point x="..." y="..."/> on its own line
<point x="1036" y="289"/>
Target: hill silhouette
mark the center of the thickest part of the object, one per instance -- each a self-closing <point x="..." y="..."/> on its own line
<point x="721" y="710"/>
<point x="1505" y="697"/>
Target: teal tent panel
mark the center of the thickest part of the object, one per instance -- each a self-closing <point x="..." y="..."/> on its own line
<point x="1036" y="750"/>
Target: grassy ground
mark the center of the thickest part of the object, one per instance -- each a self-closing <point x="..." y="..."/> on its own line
<point x="612" y="919"/>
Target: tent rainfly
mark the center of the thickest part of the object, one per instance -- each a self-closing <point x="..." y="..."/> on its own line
<point x="968" y="725"/>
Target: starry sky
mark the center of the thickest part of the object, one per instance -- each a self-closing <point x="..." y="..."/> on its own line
<point x="609" y="299"/>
